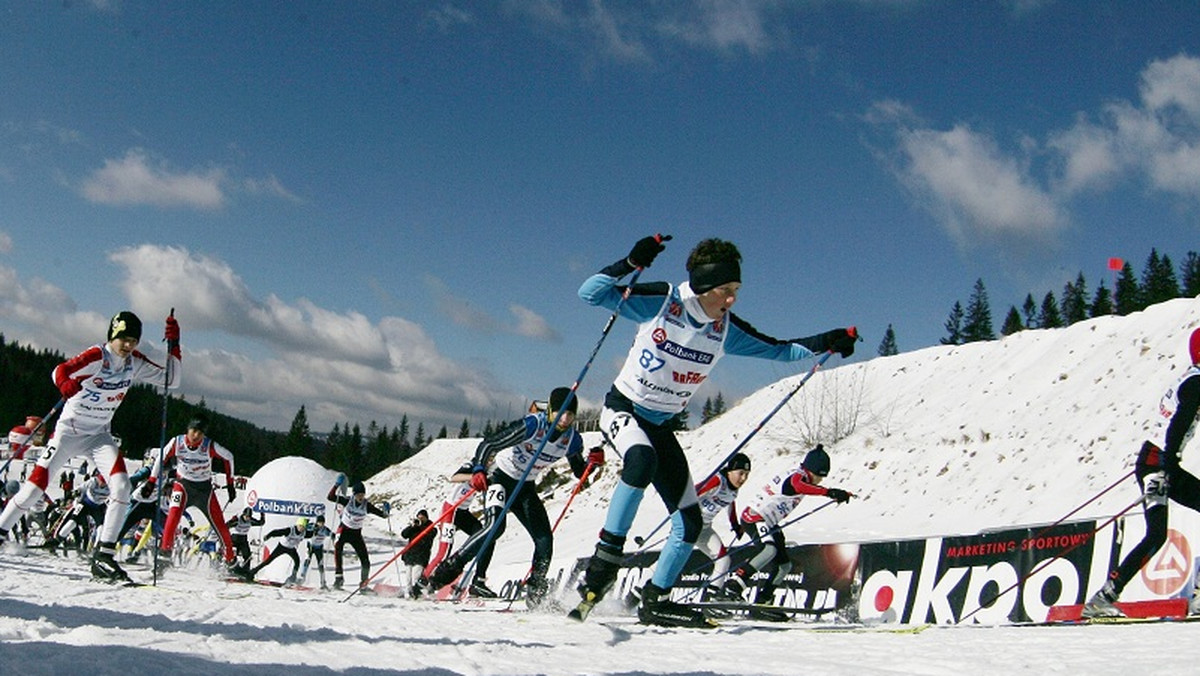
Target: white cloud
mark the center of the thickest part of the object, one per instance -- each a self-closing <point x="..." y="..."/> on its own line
<point x="6" y="243"/>
<point x="975" y="190"/>
<point x="522" y="321"/>
<point x="725" y="25"/>
<point x="271" y="185"/>
<point x="338" y="364"/>
<point x="133" y="180"/>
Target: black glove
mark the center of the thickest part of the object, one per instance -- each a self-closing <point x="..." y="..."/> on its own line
<point x="643" y="253"/>
<point x="148" y="488"/>
<point x="231" y="492"/>
<point x="838" y="495"/>
<point x="840" y="341"/>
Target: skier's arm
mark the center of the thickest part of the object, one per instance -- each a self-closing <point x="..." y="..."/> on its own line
<point x="1182" y="421"/>
<point x="69" y="376"/>
<point x="509" y="435"/>
<point x="711" y="484"/>
<point x="372" y="509"/>
<point x="796" y="485"/>
<point x="277" y="533"/>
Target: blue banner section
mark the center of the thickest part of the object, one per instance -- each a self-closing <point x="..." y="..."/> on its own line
<point x="289" y="507"/>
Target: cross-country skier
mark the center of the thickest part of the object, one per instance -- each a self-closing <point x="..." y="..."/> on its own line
<point x="193" y="454"/>
<point x="318" y="535"/>
<point x="89" y="507"/>
<point x="717" y="495"/>
<point x="769" y="506"/>
<point x="1161" y="478"/>
<point x="94" y="383"/>
<point x="515" y="452"/>
<point x="463" y="520"/>
<point x="292" y="537"/>
<point x="349" y="532"/>
<point x="239" y="533"/>
<point x="683" y="332"/>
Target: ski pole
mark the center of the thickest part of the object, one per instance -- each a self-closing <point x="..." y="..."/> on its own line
<point x="640" y="540"/>
<point x="162" y="441"/>
<point x="1038" y="568"/>
<point x="447" y="513"/>
<point x="33" y="432"/>
<point x="730" y="552"/>
<point x="612" y="319"/>
<point x="578" y="485"/>
<point x="1085" y="504"/>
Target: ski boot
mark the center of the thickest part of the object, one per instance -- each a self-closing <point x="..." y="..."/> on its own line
<point x="733" y="589"/>
<point x="658" y="609"/>
<point x="418" y="588"/>
<point x="600" y="574"/>
<point x="105" y="567"/>
<point x="1102" y="603"/>
<point x="480" y="590"/>
<point x="536" y="589"/>
<point x="337" y="582"/>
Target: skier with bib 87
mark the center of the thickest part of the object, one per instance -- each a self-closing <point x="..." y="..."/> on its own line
<point x="1160" y="478"/>
<point x="684" y="330"/>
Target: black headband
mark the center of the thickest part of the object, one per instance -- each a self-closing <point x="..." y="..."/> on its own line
<point x="708" y="276"/>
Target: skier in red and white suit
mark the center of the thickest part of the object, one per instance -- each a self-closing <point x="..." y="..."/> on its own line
<point x="93" y="384"/>
<point x="193" y="454"/>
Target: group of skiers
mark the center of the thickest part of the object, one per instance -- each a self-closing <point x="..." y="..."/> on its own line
<point x="683" y="331"/>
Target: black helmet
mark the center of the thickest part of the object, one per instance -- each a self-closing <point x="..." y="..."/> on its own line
<point x="357" y="487"/>
<point x="738" y="461"/>
<point x="125" y="324"/>
<point x="817" y="461"/>
<point x="558" y="395"/>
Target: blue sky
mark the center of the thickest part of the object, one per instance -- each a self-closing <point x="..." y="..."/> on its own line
<point x="386" y="208"/>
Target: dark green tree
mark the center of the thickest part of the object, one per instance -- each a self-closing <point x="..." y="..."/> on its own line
<point x="1012" y="322"/>
<point x="887" y="346"/>
<point x="1159" y="283"/>
<point x="1127" y="296"/>
<point x="1102" y="302"/>
<point x="977" y="324"/>
<point x="464" y="431"/>
<point x="419" y="442"/>
<point x="1050" y="317"/>
<point x="954" y="326"/>
<point x="1190" y="272"/>
<point x="1030" y="310"/>
<point x="299" y="438"/>
<point x="1075" y="301"/>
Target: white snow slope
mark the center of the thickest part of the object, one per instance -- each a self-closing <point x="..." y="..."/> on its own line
<point x="942" y="441"/>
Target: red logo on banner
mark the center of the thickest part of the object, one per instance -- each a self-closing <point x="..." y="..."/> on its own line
<point x="1168" y="571"/>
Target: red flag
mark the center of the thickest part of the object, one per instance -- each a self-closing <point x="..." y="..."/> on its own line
<point x="1115" y="264"/>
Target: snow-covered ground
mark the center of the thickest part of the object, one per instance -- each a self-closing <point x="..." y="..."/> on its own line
<point x="946" y="440"/>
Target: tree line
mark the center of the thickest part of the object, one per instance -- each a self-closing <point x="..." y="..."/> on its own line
<point x="1158" y="282"/>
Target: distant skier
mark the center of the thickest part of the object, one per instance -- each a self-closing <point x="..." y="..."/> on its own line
<point x="94" y="384"/>
<point x="349" y="532"/>
<point x="318" y="535"/>
<point x="760" y="520"/>
<point x="1160" y="477"/>
<point x="292" y="537"/>
<point x="683" y="332"/>
<point x="192" y="455"/>
<point x="239" y="533"/>
<point x="89" y="507"/>
<point x="512" y="450"/>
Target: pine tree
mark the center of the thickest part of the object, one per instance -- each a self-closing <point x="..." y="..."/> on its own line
<point x="977" y="325"/>
<point x="1159" y="283"/>
<point x="299" y="437"/>
<point x="419" y="441"/>
<point x="1127" y="296"/>
<point x="464" y="432"/>
<point x="706" y="413"/>
<point x="1012" y="322"/>
<point x="1191" y="275"/>
<point x="1030" y="310"/>
<point x="718" y="404"/>
<point x="887" y="346"/>
<point x="1102" y="303"/>
<point x="443" y="433"/>
<point x="954" y="326"/>
<point x="1050" y="318"/>
<point x="1074" y="301"/>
